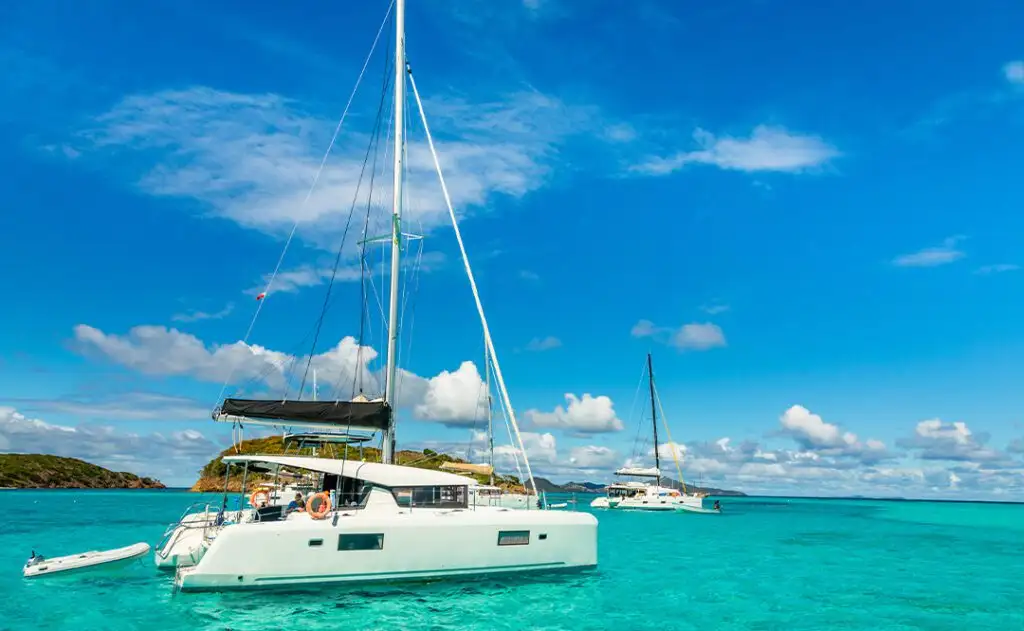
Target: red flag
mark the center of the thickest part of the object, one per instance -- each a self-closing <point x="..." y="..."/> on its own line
<point x="261" y="295"/>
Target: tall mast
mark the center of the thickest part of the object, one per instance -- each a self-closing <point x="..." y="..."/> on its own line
<point x="388" y="447"/>
<point x="490" y="431"/>
<point x="314" y="384"/>
<point x="654" y="417"/>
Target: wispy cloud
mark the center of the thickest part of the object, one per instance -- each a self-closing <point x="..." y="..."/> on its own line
<point x="934" y="256"/>
<point x="977" y="102"/>
<point x="1014" y="72"/>
<point x="252" y="157"/>
<point x="766" y="149"/>
<point x="999" y="268"/>
<point x="695" y="336"/>
<point x="306" y="276"/>
<point x="620" y="133"/>
<point x="714" y="309"/>
<point x="134" y="406"/>
<point x="539" y="344"/>
<point x="198" y="316"/>
<point x="528" y="275"/>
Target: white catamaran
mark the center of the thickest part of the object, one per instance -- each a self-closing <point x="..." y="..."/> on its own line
<point x="370" y="521"/>
<point x="651" y="496"/>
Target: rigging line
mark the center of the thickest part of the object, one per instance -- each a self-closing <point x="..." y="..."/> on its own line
<point x="290" y="359"/>
<point x="679" y="469"/>
<point x="358" y="377"/>
<point x="469" y="273"/>
<point x="309" y="193"/>
<point x="412" y="312"/>
<point x="363" y="305"/>
<point x="344" y="235"/>
<point x="632" y="409"/>
<point x="515" y="452"/>
<point x="409" y="303"/>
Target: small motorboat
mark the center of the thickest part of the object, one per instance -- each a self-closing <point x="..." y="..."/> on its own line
<point x="93" y="560"/>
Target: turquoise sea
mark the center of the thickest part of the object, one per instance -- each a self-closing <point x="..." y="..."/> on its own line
<point x="763" y="564"/>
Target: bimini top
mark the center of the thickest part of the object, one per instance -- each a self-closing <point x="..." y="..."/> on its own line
<point x="388" y="475"/>
<point x="358" y="415"/>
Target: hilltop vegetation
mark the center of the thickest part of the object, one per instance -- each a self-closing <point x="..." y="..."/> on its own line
<point x="211" y="476"/>
<point x="39" y="471"/>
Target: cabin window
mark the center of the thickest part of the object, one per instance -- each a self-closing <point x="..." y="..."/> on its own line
<point x="361" y="542"/>
<point x="431" y="496"/>
<point x="513" y="537"/>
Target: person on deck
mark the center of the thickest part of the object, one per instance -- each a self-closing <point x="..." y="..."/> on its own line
<point x="296" y="504"/>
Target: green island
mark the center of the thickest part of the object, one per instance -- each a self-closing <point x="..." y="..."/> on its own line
<point x="211" y="476"/>
<point x="40" y="471"/>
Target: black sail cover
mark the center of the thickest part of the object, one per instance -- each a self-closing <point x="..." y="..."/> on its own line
<point x="375" y="414"/>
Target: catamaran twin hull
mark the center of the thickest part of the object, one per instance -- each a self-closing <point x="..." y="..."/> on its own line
<point x="648" y="503"/>
<point x="416" y="545"/>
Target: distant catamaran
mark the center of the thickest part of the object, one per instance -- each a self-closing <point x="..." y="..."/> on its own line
<point x="388" y="521"/>
<point x="630" y="495"/>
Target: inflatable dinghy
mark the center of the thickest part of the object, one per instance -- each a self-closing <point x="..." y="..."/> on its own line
<point x="94" y="560"/>
<point x="700" y="510"/>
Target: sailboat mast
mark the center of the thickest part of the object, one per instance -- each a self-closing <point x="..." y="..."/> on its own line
<point x="654" y="417"/>
<point x="388" y="447"/>
<point x="490" y="424"/>
<point x="314" y="384"/>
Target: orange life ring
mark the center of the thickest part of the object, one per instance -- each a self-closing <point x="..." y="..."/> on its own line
<point x="256" y="494"/>
<point x="325" y="505"/>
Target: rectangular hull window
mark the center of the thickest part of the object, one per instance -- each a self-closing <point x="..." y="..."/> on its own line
<point x="361" y="542"/>
<point x="513" y="537"/>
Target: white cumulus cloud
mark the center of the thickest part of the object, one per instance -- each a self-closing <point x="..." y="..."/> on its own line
<point x="584" y="415"/>
<point x="453" y="398"/>
<point x="172" y="457"/>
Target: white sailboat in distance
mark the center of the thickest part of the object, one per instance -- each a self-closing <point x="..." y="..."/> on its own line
<point x="651" y="496"/>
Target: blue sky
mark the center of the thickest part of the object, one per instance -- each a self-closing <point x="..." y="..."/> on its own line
<point x="811" y="215"/>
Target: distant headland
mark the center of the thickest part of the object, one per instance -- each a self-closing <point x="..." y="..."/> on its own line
<point x="40" y="471"/>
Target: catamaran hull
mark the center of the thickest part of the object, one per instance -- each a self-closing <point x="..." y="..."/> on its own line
<point x="658" y="504"/>
<point x="430" y="546"/>
<point x="182" y="545"/>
